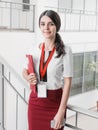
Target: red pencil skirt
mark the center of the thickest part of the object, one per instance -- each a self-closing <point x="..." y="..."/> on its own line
<point x="42" y="110"/>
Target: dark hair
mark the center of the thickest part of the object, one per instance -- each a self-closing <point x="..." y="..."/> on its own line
<point x="56" y="20"/>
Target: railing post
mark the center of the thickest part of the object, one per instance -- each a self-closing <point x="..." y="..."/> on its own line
<point x="1" y="99"/>
<point x="80" y="21"/>
<point x="33" y="18"/>
<point x="76" y="120"/>
<point x="10" y="16"/>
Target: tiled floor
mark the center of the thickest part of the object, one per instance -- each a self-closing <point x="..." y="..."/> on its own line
<point x="84" y="122"/>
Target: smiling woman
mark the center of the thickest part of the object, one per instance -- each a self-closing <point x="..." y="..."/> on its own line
<point x="47" y="27"/>
<point x="53" y="74"/>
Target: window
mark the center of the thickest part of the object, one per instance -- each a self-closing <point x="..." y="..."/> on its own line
<point x="79" y="15"/>
<point x="90" y="5"/>
<point x="65" y="4"/>
<point x="83" y="79"/>
<point x="26" y="7"/>
<point x="89" y="76"/>
<point x="78" y="4"/>
<point x="77" y="74"/>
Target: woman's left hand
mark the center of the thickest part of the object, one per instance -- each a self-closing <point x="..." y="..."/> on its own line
<point x="59" y="118"/>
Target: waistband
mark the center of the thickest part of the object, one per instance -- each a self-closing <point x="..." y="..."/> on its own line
<point x="50" y="93"/>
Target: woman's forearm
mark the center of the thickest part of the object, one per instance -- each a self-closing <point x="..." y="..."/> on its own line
<point x="31" y="78"/>
<point x="65" y="94"/>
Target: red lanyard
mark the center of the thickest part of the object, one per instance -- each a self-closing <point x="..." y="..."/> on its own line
<point x="43" y="67"/>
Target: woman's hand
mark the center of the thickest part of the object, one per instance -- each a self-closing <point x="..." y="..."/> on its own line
<point x="32" y="78"/>
<point x="59" y="118"/>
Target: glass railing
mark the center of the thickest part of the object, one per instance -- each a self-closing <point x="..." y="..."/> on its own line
<point x="77" y="20"/>
<point x="21" y="16"/>
<point x="17" y="16"/>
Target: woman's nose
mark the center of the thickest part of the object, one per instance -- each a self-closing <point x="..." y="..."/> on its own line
<point x="46" y="27"/>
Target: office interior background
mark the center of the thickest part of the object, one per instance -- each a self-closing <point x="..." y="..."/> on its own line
<point x="19" y="31"/>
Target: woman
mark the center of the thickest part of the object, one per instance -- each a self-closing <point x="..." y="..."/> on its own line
<point x="52" y="77"/>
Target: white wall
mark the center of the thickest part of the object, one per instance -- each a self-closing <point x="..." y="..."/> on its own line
<point x="81" y="41"/>
<point x="13" y="47"/>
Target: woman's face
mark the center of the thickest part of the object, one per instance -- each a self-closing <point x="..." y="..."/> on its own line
<point x="47" y="27"/>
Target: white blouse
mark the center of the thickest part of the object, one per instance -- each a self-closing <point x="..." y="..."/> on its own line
<point x="57" y="69"/>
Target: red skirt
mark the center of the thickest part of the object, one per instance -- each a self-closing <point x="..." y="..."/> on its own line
<point x="42" y="110"/>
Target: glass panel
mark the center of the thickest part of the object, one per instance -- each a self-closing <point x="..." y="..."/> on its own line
<point x="89" y="75"/>
<point x="96" y="79"/>
<point x="78" y="4"/>
<point x="88" y="22"/>
<point x="65" y="3"/>
<point x="90" y="5"/>
<point x="72" y="22"/>
<point x="84" y="79"/>
<point x="97" y="4"/>
<point x="77" y="74"/>
<point x="50" y="3"/>
<point x="62" y="16"/>
<point x="9" y="107"/>
<point x="22" y="115"/>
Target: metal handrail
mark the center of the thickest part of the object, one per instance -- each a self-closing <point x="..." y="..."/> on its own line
<point x="83" y="111"/>
<point x="72" y="127"/>
<point x="15" y="90"/>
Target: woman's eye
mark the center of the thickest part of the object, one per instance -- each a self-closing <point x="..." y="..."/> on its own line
<point x="49" y="24"/>
<point x="52" y="24"/>
<point x="42" y="24"/>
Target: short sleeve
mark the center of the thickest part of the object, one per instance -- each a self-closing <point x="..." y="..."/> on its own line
<point x="68" y="62"/>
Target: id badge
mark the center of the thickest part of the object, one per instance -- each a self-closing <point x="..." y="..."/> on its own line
<point x="42" y="90"/>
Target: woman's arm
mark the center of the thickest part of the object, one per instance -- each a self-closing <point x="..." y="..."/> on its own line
<point x="65" y="95"/>
<point x="62" y="108"/>
<point x="31" y="78"/>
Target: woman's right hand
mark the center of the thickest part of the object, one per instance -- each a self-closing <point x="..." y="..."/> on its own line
<point x="32" y="78"/>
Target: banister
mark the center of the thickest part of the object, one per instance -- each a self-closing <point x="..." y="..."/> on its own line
<point x="83" y="111"/>
<point x="72" y="127"/>
<point x="23" y="98"/>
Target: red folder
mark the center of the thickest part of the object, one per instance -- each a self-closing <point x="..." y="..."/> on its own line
<point x="31" y="70"/>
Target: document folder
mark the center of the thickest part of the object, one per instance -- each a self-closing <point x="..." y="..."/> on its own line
<point x="31" y="70"/>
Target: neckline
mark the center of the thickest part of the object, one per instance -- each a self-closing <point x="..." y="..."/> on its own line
<point x="40" y="47"/>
